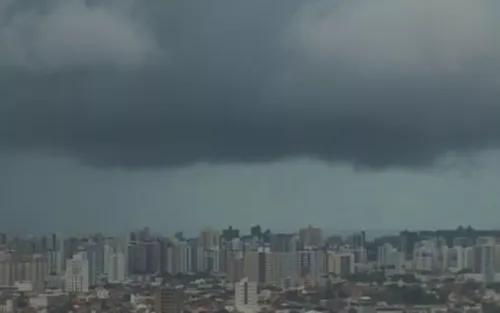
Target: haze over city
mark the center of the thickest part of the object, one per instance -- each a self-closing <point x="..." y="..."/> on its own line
<point x="249" y="156"/>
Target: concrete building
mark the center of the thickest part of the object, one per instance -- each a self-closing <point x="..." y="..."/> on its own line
<point x="32" y="269"/>
<point x="7" y="269"/>
<point x="77" y="274"/>
<point x="115" y="268"/>
<point x="310" y="237"/>
<point x="43" y="302"/>
<point x="137" y="258"/>
<point x="484" y="262"/>
<point x="388" y="256"/>
<point x="211" y="260"/>
<point x="234" y="269"/>
<point x="283" y="242"/>
<point x="209" y="239"/>
<point x="312" y="266"/>
<point x="456" y="259"/>
<point x="168" y="300"/>
<point x="257" y="266"/>
<point x="425" y="256"/>
<point x="284" y="271"/>
<point x="340" y="263"/>
<point x="496" y="257"/>
<point x="55" y="261"/>
<point x="38" y="272"/>
<point x="179" y="257"/>
<point x="469" y="258"/>
<point x="245" y="296"/>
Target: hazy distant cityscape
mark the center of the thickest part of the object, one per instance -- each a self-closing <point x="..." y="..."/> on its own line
<point x="309" y="126"/>
<point x="257" y="270"/>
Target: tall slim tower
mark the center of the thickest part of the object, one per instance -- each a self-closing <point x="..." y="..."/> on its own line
<point x="245" y="296"/>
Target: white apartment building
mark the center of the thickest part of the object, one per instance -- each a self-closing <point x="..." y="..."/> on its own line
<point x="76" y="277"/>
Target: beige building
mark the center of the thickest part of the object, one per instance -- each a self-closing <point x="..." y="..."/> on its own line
<point x="257" y="266"/>
<point x="340" y="263"/>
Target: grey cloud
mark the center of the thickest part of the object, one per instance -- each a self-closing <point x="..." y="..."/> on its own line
<point x="373" y="83"/>
<point x="389" y="37"/>
<point x="72" y="33"/>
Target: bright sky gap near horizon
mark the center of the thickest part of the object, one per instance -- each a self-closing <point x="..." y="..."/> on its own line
<point x="115" y="114"/>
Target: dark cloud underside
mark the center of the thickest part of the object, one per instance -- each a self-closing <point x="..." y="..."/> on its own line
<point x="167" y="83"/>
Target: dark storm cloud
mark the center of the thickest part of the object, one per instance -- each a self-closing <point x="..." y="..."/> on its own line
<point x="165" y="83"/>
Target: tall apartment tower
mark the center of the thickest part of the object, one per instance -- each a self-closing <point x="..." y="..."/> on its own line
<point x="245" y="296"/>
<point x="257" y="266"/>
<point x="38" y="271"/>
<point x="310" y="237"/>
<point x="77" y="274"/>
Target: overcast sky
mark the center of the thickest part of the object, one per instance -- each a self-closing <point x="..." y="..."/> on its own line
<point x="346" y="114"/>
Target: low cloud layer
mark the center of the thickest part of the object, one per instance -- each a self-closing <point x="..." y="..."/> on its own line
<point x="167" y="83"/>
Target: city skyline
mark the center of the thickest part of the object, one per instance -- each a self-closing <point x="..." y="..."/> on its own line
<point x="144" y="270"/>
<point x="249" y="156"/>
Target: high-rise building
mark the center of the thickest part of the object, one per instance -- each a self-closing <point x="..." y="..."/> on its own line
<point x="340" y="263"/>
<point x="485" y="241"/>
<point x="182" y="257"/>
<point x="146" y="254"/>
<point x="284" y="271"/>
<point x="407" y="241"/>
<point x="151" y="256"/>
<point x="192" y="245"/>
<point x="234" y="269"/>
<point x="25" y="268"/>
<point x="425" y="256"/>
<point x="136" y="258"/>
<point x="357" y="240"/>
<point x="245" y="296"/>
<point x="257" y="266"/>
<point x="469" y="258"/>
<point x="211" y="260"/>
<point x="38" y="272"/>
<point x="168" y="300"/>
<point x="283" y="242"/>
<point x="163" y="247"/>
<point x="114" y="264"/>
<point x="496" y="257"/>
<point x="388" y="256"/>
<point x="144" y="234"/>
<point x="311" y="266"/>
<point x="484" y="262"/>
<point x="230" y="233"/>
<point x="456" y="259"/>
<point x="209" y="239"/>
<point x="70" y="248"/>
<point x="310" y="237"/>
<point x="256" y="231"/>
<point x="77" y="274"/>
<point x="118" y="271"/>
<point x="55" y="262"/>
<point x="3" y="239"/>
<point x="357" y="244"/>
<point x="462" y="242"/>
<point x="7" y="269"/>
<point x="95" y="256"/>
